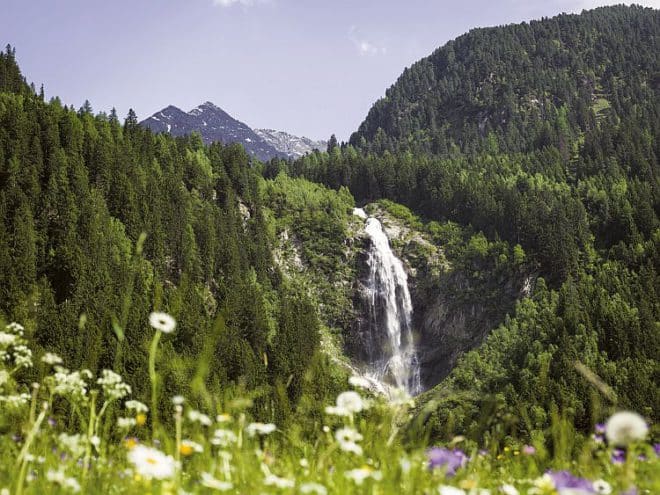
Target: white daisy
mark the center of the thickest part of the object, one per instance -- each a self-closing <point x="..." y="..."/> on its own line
<point x="210" y="482"/>
<point x="359" y="475"/>
<point x="162" y="321"/>
<point x="625" y="427"/>
<point x="152" y="463"/>
<point x="224" y="438"/>
<point x="509" y="490"/>
<point x="198" y="417"/>
<point x="314" y="488"/>
<point x="450" y="490"/>
<point x="273" y="480"/>
<point x="602" y="487"/>
<point x="347" y="439"/>
<point x="350" y="401"/>
<point x="260" y="429"/>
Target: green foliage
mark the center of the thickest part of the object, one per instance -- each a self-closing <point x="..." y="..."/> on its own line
<point x="522" y="87"/>
<point x="531" y="149"/>
<point x="111" y="221"/>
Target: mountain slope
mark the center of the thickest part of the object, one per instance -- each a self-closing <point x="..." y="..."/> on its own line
<point x="214" y="124"/>
<point x="522" y="87"/>
<point x="289" y="144"/>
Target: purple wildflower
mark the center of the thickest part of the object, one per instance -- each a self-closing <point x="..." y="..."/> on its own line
<point x="529" y="450"/>
<point x="564" y="479"/>
<point x="656" y="449"/>
<point x="52" y="422"/>
<point x="451" y="460"/>
<point x="618" y="456"/>
<point x="599" y="428"/>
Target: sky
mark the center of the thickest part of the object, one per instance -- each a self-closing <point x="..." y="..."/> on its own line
<point x="308" y="67"/>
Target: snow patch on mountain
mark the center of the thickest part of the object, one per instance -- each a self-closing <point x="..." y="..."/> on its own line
<point x="293" y="146"/>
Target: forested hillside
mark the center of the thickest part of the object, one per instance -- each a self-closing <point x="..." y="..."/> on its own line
<point x="564" y="170"/>
<point x="525" y="86"/>
<point x="102" y="222"/>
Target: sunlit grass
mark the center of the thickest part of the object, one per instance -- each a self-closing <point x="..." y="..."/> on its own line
<point x="72" y="432"/>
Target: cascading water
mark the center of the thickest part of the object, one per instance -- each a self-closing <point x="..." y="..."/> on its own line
<point x="389" y="345"/>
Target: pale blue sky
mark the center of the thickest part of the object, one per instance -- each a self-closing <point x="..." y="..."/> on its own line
<point x="305" y="66"/>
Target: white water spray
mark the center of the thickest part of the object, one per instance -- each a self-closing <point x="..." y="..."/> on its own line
<point x="389" y="343"/>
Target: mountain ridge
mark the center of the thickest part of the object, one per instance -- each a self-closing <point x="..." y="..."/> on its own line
<point x="215" y="124"/>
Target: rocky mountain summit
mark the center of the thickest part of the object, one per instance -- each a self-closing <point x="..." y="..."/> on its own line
<point x="293" y="146"/>
<point x="214" y="124"/>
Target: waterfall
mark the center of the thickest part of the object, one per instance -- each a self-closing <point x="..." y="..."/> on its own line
<point x="389" y="345"/>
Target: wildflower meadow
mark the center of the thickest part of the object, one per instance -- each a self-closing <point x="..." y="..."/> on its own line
<point x="72" y="432"/>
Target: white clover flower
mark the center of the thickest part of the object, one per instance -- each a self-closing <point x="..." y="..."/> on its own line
<point x="276" y="481"/>
<point x="50" y="358"/>
<point x="198" y="417"/>
<point x="224" y="438"/>
<point x="162" y="322"/>
<point x="74" y="444"/>
<point x="136" y="405"/>
<point x="314" y="488"/>
<point x="16" y="328"/>
<point x="69" y="384"/>
<point x="126" y="423"/>
<point x="7" y="339"/>
<point x="260" y="429"/>
<point x="113" y="385"/>
<point x="152" y="463"/>
<point x="347" y="439"/>
<point x="507" y="489"/>
<point x="209" y="481"/>
<point x="625" y="427"/>
<point x="450" y="490"/>
<point x="22" y="356"/>
<point x="405" y="464"/>
<point x="15" y="401"/>
<point x="178" y="400"/>
<point x="602" y="487"/>
<point x="350" y="401"/>
<point x="359" y="475"/>
<point x="60" y="478"/>
<point x="360" y="382"/>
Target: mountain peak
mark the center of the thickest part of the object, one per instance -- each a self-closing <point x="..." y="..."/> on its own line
<point x="214" y="124"/>
<point x="206" y="106"/>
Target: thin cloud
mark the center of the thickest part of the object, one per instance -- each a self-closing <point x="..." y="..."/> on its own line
<point x="364" y="47"/>
<point x="231" y="3"/>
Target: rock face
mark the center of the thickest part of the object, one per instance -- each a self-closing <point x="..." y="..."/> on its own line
<point x="452" y="313"/>
<point x="213" y="124"/>
<point x="291" y="145"/>
<point x="452" y="317"/>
